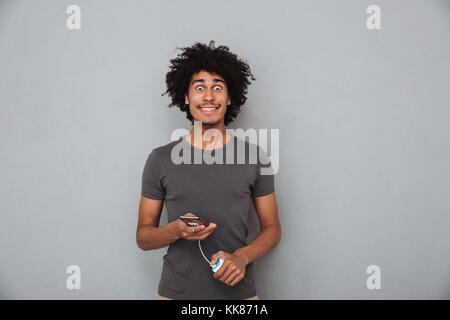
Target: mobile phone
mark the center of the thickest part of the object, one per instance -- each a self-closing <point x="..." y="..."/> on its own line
<point x="193" y="221"/>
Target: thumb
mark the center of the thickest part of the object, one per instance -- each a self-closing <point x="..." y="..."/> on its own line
<point x="216" y="256"/>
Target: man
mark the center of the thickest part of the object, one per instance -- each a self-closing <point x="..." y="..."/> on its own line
<point x="210" y="85"/>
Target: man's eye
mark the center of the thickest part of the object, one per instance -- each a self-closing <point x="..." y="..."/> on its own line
<point x="217" y="87"/>
<point x="200" y="87"/>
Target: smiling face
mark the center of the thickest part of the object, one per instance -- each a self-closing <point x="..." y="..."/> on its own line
<point x="207" y="98"/>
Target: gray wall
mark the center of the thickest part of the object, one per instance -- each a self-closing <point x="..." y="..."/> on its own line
<point x="364" y="130"/>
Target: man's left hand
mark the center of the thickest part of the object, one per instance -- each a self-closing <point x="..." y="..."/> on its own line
<point x="232" y="270"/>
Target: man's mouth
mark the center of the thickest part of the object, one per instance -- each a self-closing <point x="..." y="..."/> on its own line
<point x="208" y="109"/>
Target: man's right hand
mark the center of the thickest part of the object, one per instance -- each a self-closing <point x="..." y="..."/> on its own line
<point x="182" y="230"/>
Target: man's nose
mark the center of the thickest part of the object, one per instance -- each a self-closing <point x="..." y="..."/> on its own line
<point x="209" y="95"/>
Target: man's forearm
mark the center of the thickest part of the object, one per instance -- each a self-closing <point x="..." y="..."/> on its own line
<point x="150" y="237"/>
<point x="265" y="241"/>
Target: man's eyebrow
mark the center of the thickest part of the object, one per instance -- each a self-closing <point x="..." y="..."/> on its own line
<point x="203" y="81"/>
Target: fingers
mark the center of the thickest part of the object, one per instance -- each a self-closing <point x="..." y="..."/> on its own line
<point x="231" y="276"/>
<point x="183" y="230"/>
<point x="188" y="231"/>
<point x="207" y="230"/>
<point x="235" y="281"/>
<point x="216" y="256"/>
<point x="225" y="271"/>
<point x="197" y="228"/>
<point x="200" y="232"/>
<point x="192" y="233"/>
<point x="231" y="272"/>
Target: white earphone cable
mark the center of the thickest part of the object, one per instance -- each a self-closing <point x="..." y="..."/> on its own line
<point x="202" y="252"/>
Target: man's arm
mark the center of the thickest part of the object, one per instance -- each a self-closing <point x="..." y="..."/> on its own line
<point x="270" y="229"/>
<point x="233" y="269"/>
<point x="150" y="235"/>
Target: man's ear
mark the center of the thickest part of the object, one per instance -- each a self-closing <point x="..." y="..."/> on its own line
<point x="229" y="101"/>
<point x="186" y="98"/>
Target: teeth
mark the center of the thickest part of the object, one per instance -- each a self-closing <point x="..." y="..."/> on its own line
<point x="208" y="109"/>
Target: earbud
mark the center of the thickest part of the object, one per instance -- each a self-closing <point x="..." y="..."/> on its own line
<point x="217" y="266"/>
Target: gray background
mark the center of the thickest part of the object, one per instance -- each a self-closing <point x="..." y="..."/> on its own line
<point x="364" y="141"/>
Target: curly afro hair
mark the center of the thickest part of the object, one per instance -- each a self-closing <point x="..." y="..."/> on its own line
<point x="220" y="60"/>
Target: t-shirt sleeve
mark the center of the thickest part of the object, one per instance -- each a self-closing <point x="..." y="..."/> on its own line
<point x="264" y="179"/>
<point x="151" y="178"/>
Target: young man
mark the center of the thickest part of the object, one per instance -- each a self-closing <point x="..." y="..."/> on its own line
<point x="210" y="85"/>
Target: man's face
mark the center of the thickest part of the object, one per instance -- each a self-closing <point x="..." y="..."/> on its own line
<point x="207" y="98"/>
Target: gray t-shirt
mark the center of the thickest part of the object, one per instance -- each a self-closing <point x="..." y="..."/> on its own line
<point x="219" y="193"/>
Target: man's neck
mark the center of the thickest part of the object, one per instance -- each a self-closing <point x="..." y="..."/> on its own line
<point x="200" y="137"/>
